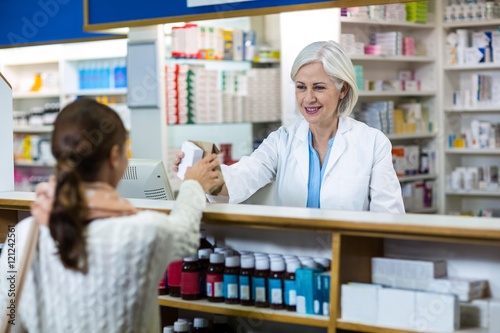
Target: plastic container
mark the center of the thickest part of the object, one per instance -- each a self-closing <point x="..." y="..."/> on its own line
<point x="200" y="325"/>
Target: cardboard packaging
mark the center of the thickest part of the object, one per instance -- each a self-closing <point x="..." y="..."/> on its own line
<point x="193" y="149"/>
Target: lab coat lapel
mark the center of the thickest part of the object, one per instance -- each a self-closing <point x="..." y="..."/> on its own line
<point x="339" y="145"/>
<point x="301" y="151"/>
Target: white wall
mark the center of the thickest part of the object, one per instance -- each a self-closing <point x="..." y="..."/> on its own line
<point x="299" y="29"/>
<point x="6" y="138"/>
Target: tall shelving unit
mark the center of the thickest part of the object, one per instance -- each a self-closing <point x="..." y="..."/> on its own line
<point x="465" y="196"/>
<point x="423" y="64"/>
<point x="57" y="67"/>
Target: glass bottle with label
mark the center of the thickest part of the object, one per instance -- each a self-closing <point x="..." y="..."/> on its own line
<point x="215" y="278"/>
<point x="289" y="285"/>
<point x="275" y="284"/>
<point x="259" y="282"/>
<point x="247" y="271"/>
<point x="231" y="272"/>
<point x="190" y="279"/>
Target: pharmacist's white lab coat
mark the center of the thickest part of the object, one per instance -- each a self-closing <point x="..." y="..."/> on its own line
<point x="359" y="173"/>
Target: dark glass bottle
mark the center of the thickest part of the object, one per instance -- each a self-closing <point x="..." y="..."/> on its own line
<point x="275" y="284"/>
<point x="204" y="260"/>
<point x="215" y="278"/>
<point x="290" y="292"/>
<point x="204" y="243"/>
<point x="259" y="282"/>
<point x="247" y="271"/>
<point x="174" y="278"/>
<point x="231" y="272"/>
<point x="190" y="279"/>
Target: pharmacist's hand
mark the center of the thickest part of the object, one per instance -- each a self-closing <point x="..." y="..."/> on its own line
<point x="177" y="161"/>
<point x="204" y="172"/>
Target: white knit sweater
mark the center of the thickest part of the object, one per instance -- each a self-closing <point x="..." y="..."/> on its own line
<point x="127" y="257"/>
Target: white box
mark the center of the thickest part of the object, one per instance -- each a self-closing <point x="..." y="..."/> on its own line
<point x="494" y="323"/>
<point x="395" y="307"/>
<point x="465" y="289"/>
<point x="436" y="312"/>
<point x="359" y="302"/>
<point x="407" y="269"/>
<point x="192" y="154"/>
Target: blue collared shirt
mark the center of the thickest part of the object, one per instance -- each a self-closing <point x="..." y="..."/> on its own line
<point x="316" y="173"/>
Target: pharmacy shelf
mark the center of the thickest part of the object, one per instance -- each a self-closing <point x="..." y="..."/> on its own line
<point x="469" y="24"/>
<point x="401" y="24"/>
<point x="357" y="327"/>
<point x="474" y="193"/>
<point x="367" y="57"/>
<point x="364" y="93"/>
<point x="430" y="210"/>
<point x="470" y="151"/>
<point x="410" y="136"/>
<point x="34" y="129"/>
<point x="472" y="67"/>
<point x="237" y="310"/>
<point x="407" y="179"/>
<point x="98" y="92"/>
<point x="38" y="94"/>
<point x="30" y="164"/>
<point x="476" y="109"/>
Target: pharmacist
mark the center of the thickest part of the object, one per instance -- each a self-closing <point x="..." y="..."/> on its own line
<point x="326" y="159"/>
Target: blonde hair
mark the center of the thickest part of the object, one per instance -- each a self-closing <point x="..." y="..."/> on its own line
<point x="336" y="64"/>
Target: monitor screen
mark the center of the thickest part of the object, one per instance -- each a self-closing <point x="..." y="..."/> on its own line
<point x="145" y="179"/>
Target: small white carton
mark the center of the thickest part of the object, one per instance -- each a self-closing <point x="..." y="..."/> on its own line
<point x="396" y="307"/>
<point x="192" y="154"/>
<point x="359" y="302"/>
<point x="436" y="312"/>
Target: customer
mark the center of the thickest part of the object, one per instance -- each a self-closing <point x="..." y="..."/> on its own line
<point x="99" y="259"/>
<point x="326" y="159"/>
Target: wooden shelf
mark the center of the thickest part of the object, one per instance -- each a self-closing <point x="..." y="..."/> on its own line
<point x="369" y="93"/>
<point x="401" y="24"/>
<point x="470" y="151"/>
<point x="366" y="57"/>
<point x="281" y="316"/>
<point x="430" y="210"/>
<point x="406" y="179"/>
<point x="358" y="327"/>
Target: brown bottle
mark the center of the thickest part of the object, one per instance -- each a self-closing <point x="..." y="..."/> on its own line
<point x="215" y="278"/>
<point x="290" y="291"/>
<point x="190" y="279"/>
<point x="204" y="260"/>
<point x="275" y="284"/>
<point x="174" y="278"/>
<point x="247" y="271"/>
<point x="259" y="282"/>
<point x="231" y="272"/>
<point x="204" y="243"/>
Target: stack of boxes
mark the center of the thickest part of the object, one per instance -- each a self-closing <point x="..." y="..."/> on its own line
<point x="417" y="295"/>
<point x="204" y="100"/>
<point x="379" y="115"/>
<point x="176" y="85"/>
<point x="416" y="11"/>
<point x="264" y="91"/>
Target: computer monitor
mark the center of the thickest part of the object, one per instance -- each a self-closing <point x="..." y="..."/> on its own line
<point x="145" y="179"/>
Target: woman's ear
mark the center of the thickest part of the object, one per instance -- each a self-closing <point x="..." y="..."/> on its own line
<point x="114" y="157"/>
<point x="344" y="90"/>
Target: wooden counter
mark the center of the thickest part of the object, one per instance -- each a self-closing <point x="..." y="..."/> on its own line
<point x="356" y="237"/>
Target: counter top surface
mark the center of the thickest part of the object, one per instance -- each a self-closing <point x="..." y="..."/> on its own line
<point x="315" y="219"/>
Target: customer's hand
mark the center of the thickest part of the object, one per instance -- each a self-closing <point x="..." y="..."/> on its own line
<point x="177" y="161"/>
<point x="204" y="172"/>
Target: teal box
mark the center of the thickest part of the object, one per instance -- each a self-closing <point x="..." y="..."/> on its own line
<point x="305" y="283"/>
<point x="325" y="293"/>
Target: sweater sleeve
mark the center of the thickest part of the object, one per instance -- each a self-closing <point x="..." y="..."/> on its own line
<point x="184" y="220"/>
